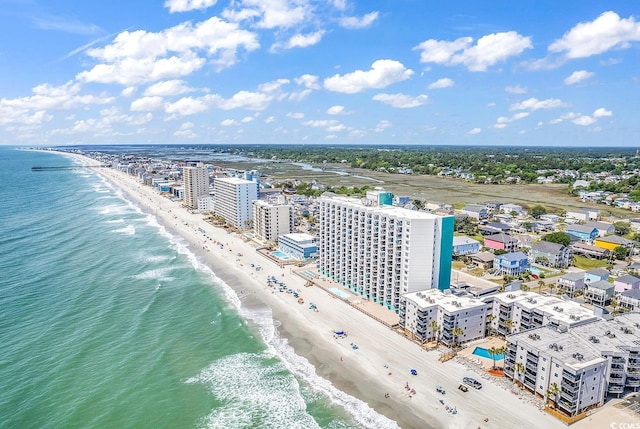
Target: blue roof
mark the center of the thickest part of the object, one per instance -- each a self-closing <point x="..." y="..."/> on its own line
<point x="513" y="256"/>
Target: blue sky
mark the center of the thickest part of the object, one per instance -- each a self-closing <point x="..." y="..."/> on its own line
<point x="549" y="73"/>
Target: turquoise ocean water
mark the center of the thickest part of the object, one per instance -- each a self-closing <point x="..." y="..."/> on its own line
<point x="108" y="320"/>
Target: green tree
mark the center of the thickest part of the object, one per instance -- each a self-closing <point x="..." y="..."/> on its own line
<point x="622" y="228"/>
<point x="457" y="332"/>
<point x="558" y="237"/>
<point x="518" y="368"/>
<point x="435" y="328"/>
<point x="537" y="211"/>
<point x="620" y="253"/>
<point x="552" y="392"/>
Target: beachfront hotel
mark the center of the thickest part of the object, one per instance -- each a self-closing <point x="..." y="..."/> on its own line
<point x="298" y="245"/>
<point x="196" y="184"/>
<point x="380" y="251"/>
<point x="271" y="220"/>
<point x="433" y="314"/>
<point x="233" y="200"/>
<point x="586" y="363"/>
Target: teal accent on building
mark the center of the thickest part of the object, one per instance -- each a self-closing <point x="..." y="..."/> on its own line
<point x="385" y="199"/>
<point x="446" y="252"/>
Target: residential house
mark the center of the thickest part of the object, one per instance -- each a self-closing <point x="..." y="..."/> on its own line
<point x="463" y="245"/>
<point x="610" y="242"/>
<point x="551" y="254"/>
<point x="630" y="299"/>
<point x="525" y="241"/>
<point x="590" y="251"/>
<point x="512" y="208"/>
<point x="550" y="218"/>
<point x="475" y="211"/>
<point x="493" y="228"/>
<point x="501" y="242"/>
<point x="626" y="282"/>
<point x="586" y="233"/>
<point x="511" y="264"/>
<point x="493" y="206"/>
<point x="596" y="274"/>
<point x="577" y="215"/>
<point x="604" y="228"/>
<point x="483" y="260"/>
<point x="571" y="282"/>
<point x="598" y="293"/>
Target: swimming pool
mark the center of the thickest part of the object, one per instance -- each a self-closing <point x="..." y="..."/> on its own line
<point x="482" y="352"/>
<point x="281" y="255"/>
<point x="340" y="292"/>
<point x="536" y="271"/>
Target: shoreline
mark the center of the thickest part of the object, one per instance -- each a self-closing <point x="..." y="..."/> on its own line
<point x="382" y="361"/>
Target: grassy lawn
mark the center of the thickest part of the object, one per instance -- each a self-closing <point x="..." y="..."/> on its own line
<point x="588" y="264"/>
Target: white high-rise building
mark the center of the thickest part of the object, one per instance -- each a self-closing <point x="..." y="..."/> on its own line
<point x="233" y="200"/>
<point x="381" y="251"/>
<point x="196" y="184"/>
<point x="271" y="220"/>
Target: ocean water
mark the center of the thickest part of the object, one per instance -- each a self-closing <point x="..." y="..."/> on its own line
<point x="108" y="320"/>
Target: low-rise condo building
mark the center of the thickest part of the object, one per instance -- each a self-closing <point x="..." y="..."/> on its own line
<point x="559" y="366"/>
<point x="432" y="314"/>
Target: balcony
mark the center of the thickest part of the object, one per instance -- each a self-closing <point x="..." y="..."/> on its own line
<point x="570" y="377"/>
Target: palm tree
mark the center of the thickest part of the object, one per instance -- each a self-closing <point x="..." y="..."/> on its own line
<point x="553" y="392"/>
<point x="457" y="332"/>
<point x="501" y="351"/>
<point x="490" y="318"/>
<point x="518" y="368"/>
<point x="435" y="328"/>
<point x="493" y="352"/>
<point x="509" y="325"/>
<point x="614" y="304"/>
<point x="540" y="284"/>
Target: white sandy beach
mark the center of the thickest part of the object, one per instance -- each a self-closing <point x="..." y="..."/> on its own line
<point x="382" y="362"/>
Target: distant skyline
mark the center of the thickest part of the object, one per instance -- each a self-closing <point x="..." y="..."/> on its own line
<point x="393" y="72"/>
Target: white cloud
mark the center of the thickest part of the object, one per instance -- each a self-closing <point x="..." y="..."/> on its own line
<point x="322" y="123"/>
<point x="187" y="5"/>
<point x="295" y="115"/>
<point x="401" y="101"/>
<point x="535" y="104"/>
<point x="186" y="131"/>
<point x="186" y="106"/>
<point x="308" y="80"/>
<point x="228" y="122"/>
<point x="140" y="56"/>
<point x="602" y="112"/>
<point x="584" y="120"/>
<point x="168" y="88"/>
<point x="382" y="126"/>
<point x="487" y="51"/>
<point x="577" y="77"/>
<point x="146" y="104"/>
<point x="502" y="121"/>
<point x="474" y="131"/>
<point x="270" y="119"/>
<point x="382" y="73"/>
<point x="243" y="99"/>
<point x="340" y="4"/>
<point x="128" y="91"/>
<point x="592" y="38"/>
<point x="299" y="41"/>
<point x="335" y="110"/>
<point x="247" y="119"/>
<point x="517" y="89"/>
<point x="445" y="82"/>
<point x="270" y="13"/>
<point x="356" y="23"/>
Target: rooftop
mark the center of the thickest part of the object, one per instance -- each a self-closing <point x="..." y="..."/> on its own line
<point x="385" y="210"/>
<point x="573" y="351"/>
<point x="450" y="303"/>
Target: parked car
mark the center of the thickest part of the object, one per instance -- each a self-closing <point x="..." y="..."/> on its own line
<point x="472" y="382"/>
<point x="463" y="388"/>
